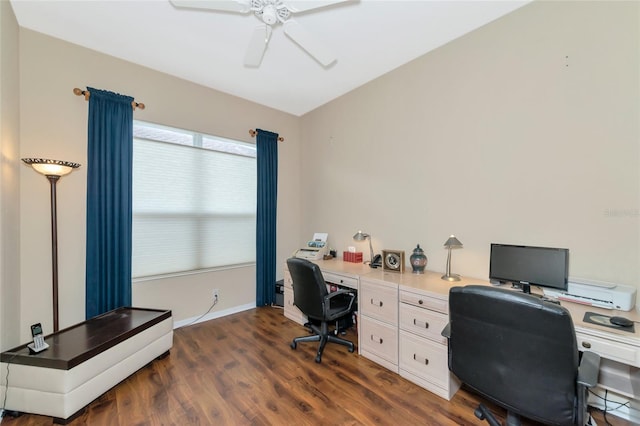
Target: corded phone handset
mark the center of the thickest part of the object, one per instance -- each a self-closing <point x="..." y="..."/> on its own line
<point x="38" y="344"/>
<point x="377" y="261"/>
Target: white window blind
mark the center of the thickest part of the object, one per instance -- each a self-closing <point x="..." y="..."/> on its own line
<point x="194" y="201"/>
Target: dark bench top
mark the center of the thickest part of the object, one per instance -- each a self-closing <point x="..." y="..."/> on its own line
<point x="80" y="342"/>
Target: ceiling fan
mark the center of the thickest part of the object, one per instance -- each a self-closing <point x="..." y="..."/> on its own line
<point x="271" y="12"/>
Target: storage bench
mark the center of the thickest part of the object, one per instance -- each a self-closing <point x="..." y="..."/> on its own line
<point x="83" y="362"/>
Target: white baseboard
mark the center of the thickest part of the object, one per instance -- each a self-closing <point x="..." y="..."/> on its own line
<point x="213" y="315"/>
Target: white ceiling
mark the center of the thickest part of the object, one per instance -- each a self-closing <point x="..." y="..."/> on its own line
<point x="369" y="38"/>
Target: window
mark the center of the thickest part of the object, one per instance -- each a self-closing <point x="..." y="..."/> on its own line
<point x="194" y="201"/>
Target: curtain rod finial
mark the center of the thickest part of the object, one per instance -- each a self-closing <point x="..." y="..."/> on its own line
<point x="79" y="92"/>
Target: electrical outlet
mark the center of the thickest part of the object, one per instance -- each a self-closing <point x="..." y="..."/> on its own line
<point x="216" y="294"/>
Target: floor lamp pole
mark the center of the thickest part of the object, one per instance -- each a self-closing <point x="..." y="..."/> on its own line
<point x="54" y="248"/>
<point x="53" y="170"/>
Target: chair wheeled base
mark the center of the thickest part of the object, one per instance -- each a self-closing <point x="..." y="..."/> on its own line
<point x="323" y="336"/>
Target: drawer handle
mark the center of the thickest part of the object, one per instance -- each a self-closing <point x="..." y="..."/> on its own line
<point x="586" y="345"/>
<point x="376" y="302"/>
<point x="420" y="302"/>
<point x="426" y="361"/>
<point x="378" y="339"/>
<point x="415" y="322"/>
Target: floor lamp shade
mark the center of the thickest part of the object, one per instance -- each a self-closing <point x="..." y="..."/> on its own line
<point x="53" y="170"/>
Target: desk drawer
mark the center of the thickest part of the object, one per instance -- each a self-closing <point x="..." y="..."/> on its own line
<point x="379" y="338"/>
<point x="379" y="301"/>
<point x="423" y="322"/>
<point x="424" y="358"/>
<point x="425" y="302"/>
<point x="609" y="349"/>
<point x="332" y="278"/>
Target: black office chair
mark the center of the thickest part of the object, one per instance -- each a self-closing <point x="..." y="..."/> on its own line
<point x="519" y="352"/>
<point x="310" y="295"/>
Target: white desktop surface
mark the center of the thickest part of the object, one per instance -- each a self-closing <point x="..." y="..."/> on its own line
<point x="431" y="284"/>
<point x="338" y="266"/>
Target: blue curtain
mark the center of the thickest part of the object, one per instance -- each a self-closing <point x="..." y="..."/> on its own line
<point x="267" y="148"/>
<point x="109" y="175"/>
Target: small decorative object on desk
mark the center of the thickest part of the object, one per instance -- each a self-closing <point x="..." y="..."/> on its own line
<point x="418" y="260"/>
<point x="348" y="256"/>
<point x="393" y="260"/>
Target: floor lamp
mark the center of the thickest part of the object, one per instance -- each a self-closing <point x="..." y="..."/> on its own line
<point x="53" y="170"/>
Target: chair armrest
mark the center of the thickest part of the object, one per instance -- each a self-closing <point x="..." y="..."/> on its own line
<point x="588" y="370"/>
<point x="446" y="331"/>
<point x="340" y="293"/>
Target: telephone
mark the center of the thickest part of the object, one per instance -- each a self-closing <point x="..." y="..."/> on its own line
<point x="377" y="261"/>
<point x="38" y="344"/>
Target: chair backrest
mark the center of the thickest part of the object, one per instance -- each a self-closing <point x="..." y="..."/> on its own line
<point x="309" y="287"/>
<point x="516" y="350"/>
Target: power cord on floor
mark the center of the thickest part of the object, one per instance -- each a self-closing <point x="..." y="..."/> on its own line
<point x="606" y="410"/>
<point x="6" y="387"/>
<point x="215" y="302"/>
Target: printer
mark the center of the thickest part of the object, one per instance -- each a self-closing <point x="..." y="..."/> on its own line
<point x="596" y="293"/>
<point x="315" y="249"/>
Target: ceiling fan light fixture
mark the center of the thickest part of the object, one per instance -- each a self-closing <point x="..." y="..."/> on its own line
<point x="270" y="11"/>
<point x="268" y="15"/>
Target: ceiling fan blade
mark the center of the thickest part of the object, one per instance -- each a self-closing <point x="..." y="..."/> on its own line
<point x="239" y="6"/>
<point x="308" y="42"/>
<point x="257" y="46"/>
<point x="303" y="6"/>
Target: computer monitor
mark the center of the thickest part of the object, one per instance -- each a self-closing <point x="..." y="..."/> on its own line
<point x="526" y="266"/>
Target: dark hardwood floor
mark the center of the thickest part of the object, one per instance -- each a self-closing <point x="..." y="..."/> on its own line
<point x="240" y="370"/>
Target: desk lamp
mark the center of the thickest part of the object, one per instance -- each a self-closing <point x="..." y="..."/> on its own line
<point x="53" y="170"/>
<point x="361" y="236"/>
<point x="452" y="242"/>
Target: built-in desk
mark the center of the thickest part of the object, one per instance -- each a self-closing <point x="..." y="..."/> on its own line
<point x="401" y="316"/>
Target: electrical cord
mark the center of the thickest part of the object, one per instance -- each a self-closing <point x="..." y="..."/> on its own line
<point x="606" y="410"/>
<point x="215" y="302"/>
<point x="6" y="386"/>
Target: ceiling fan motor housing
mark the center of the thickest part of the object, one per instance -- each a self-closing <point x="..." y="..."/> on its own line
<point x="270" y="11"/>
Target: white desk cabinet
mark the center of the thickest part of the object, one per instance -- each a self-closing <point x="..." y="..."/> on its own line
<point x="290" y="310"/>
<point x="423" y="350"/>
<point x="378" y="305"/>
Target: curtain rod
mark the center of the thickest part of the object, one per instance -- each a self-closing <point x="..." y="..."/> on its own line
<point x="253" y="135"/>
<point x="86" y="95"/>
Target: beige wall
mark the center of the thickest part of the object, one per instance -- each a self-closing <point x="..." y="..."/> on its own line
<point x="9" y="179"/>
<point x="525" y="131"/>
<point x="53" y="124"/>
